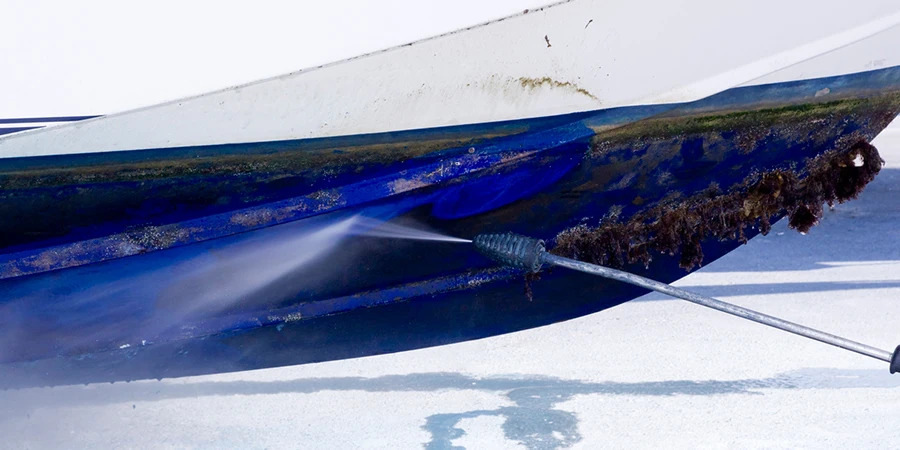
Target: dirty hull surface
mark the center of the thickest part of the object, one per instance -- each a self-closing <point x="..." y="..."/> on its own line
<point x="653" y="373"/>
<point x="175" y="309"/>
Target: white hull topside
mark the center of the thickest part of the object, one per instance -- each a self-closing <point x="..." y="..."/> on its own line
<point x="571" y="56"/>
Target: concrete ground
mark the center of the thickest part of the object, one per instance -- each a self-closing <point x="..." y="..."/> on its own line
<point x="653" y="373"/>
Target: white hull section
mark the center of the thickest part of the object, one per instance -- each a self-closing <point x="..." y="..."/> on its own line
<point x="577" y="55"/>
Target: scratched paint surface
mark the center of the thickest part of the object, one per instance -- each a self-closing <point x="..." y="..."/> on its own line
<point x="533" y="177"/>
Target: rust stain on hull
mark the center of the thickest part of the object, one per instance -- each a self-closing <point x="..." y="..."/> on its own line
<point x="535" y="83"/>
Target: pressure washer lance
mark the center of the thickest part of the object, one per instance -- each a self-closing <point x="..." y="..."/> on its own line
<point x="530" y="254"/>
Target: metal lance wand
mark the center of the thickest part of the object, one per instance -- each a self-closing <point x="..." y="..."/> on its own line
<point x="530" y="254"/>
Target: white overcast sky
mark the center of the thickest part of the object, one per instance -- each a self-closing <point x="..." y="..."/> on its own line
<point x="96" y="57"/>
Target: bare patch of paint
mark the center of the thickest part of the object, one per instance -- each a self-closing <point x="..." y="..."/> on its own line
<point x="516" y="156"/>
<point x="328" y="200"/>
<point x="158" y="237"/>
<point x="404" y="185"/>
<point x="55" y="259"/>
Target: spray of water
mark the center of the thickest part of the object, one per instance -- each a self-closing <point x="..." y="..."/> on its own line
<point x="241" y="270"/>
<point x="217" y="279"/>
<point x="213" y="284"/>
<point x="367" y="226"/>
<point x="171" y="297"/>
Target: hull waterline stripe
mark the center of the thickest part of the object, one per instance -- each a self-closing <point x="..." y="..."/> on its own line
<point x="20" y="120"/>
<point x="16" y="129"/>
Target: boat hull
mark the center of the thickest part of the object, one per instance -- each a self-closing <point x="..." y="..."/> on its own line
<point x="102" y="298"/>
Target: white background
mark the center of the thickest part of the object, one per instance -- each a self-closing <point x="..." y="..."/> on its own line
<point x="57" y="56"/>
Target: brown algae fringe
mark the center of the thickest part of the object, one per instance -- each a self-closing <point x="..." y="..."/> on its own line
<point x="833" y="176"/>
<point x="530" y="278"/>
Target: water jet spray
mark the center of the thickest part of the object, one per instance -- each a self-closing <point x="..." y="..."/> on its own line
<point x="530" y="254"/>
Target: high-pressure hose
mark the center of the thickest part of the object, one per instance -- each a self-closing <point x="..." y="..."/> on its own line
<point x="530" y="254"/>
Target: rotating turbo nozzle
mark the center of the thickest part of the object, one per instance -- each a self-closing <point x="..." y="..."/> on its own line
<point x="512" y="249"/>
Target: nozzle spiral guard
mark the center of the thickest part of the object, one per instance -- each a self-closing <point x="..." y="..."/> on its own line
<point x="512" y="249"/>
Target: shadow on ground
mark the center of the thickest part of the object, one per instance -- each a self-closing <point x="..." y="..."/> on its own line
<point x="734" y="290"/>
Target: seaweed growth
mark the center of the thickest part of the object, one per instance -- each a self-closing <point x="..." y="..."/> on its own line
<point x="680" y="226"/>
<point x="530" y="278"/>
